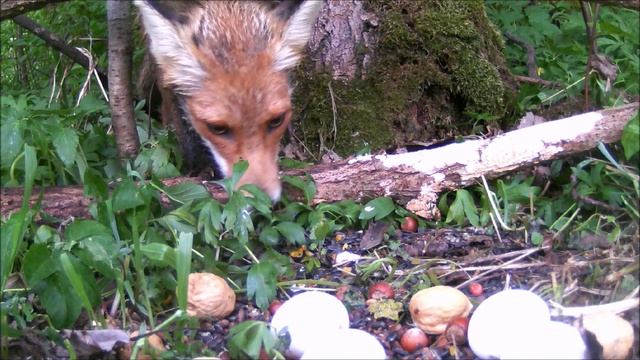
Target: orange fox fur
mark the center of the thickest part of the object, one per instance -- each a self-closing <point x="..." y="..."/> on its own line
<point x="225" y="63"/>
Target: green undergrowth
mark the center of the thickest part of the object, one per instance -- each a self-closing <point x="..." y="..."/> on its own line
<point x="143" y="238"/>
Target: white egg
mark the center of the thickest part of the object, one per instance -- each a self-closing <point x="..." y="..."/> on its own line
<point x="556" y="340"/>
<point x="345" y="344"/>
<point x="503" y="319"/>
<point x="308" y="316"/>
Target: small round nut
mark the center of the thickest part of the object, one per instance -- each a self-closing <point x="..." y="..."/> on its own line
<point x="433" y="308"/>
<point x="209" y="296"/>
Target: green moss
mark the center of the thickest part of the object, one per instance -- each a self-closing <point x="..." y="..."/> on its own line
<point x="357" y="121"/>
<point x="435" y="60"/>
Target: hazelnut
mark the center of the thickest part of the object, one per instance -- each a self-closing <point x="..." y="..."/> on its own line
<point x="209" y="296"/>
<point x="433" y="308"/>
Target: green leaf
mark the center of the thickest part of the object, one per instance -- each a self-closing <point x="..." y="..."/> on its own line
<point x="84" y="290"/>
<point x="162" y="253"/>
<point x="183" y="267"/>
<point x="59" y="300"/>
<point x="11" y="141"/>
<point x="210" y="219"/>
<point x="12" y="233"/>
<point x="94" y="185"/>
<point x="82" y="229"/>
<point x="377" y="208"/>
<point x="269" y="236"/>
<point x="230" y="183"/>
<point x="187" y="191"/>
<point x="126" y="196"/>
<point x="291" y="231"/>
<point x="65" y="141"/>
<point x="463" y="208"/>
<point x="308" y="187"/>
<point x="261" y="283"/>
<point x="536" y="238"/>
<point x="37" y="264"/>
<point x="631" y="137"/>
<point x="248" y="338"/>
<point x="259" y="200"/>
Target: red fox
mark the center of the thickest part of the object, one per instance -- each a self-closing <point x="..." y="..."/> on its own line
<point x="226" y="63"/>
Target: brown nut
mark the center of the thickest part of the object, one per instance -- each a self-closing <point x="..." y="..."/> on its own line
<point x="209" y="296"/>
<point x="433" y="308"/>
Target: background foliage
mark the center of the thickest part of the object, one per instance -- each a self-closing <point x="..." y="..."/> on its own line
<point x="136" y="251"/>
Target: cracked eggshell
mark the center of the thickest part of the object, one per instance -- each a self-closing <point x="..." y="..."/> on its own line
<point x="308" y="317"/>
<point x="209" y="295"/>
<point x="614" y="333"/>
<point x="345" y="344"/>
<point x="503" y="320"/>
<point x="433" y="308"/>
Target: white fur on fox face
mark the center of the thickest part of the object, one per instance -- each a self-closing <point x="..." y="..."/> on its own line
<point x="222" y="163"/>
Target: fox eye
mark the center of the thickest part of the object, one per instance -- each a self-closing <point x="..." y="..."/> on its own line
<point x="276" y="122"/>
<point x="218" y="129"/>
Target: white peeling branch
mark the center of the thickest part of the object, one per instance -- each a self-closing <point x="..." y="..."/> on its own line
<point x="413" y="179"/>
<point x="416" y="178"/>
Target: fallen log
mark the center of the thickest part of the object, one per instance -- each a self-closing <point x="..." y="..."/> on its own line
<point x="413" y="179"/>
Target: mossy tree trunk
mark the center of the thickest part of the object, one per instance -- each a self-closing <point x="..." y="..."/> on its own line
<point x="390" y="73"/>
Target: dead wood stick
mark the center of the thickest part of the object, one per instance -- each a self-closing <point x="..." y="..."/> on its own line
<point x="413" y="179"/>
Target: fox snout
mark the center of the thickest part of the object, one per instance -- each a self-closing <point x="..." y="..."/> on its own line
<point x="227" y="62"/>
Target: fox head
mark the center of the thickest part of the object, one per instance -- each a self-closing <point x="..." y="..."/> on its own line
<point x="227" y="63"/>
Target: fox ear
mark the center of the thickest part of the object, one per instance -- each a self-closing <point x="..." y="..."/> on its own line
<point x="300" y="17"/>
<point x="179" y="67"/>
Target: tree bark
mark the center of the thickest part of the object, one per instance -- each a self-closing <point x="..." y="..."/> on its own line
<point x="57" y="43"/>
<point x="412" y="179"/>
<point x="12" y="8"/>
<point x="120" y="97"/>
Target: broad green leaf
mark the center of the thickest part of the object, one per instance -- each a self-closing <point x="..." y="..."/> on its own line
<point x="94" y="185"/>
<point x="11" y="141"/>
<point x="183" y="267"/>
<point x="82" y="229"/>
<point x="99" y="252"/>
<point x="12" y="233"/>
<point x="59" y="300"/>
<point x="84" y="289"/>
<point x="187" y="191"/>
<point x="258" y="199"/>
<point x="291" y="231"/>
<point x="308" y="187"/>
<point x="160" y="252"/>
<point x="269" y="236"/>
<point x="37" y="264"/>
<point x="66" y="142"/>
<point x="377" y="209"/>
<point x="247" y="339"/>
<point x="631" y="137"/>
<point x="126" y="196"/>
<point x="281" y="262"/>
<point x="261" y="283"/>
